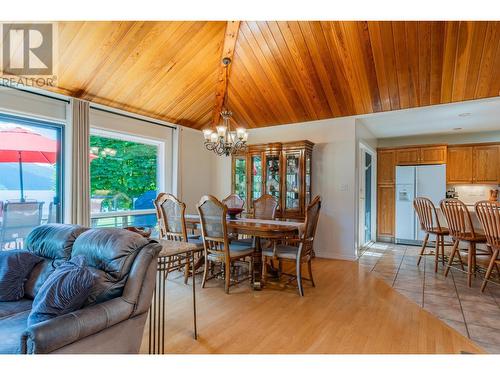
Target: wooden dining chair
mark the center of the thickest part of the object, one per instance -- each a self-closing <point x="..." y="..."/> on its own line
<point x="461" y="230"/>
<point x="172" y="224"/>
<point x="217" y="248"/>
<point x="233" y="201"/>
<point x="488" y="214"/>
<point x="429" y="223"/>
<point x="265" y="207"/>
<point x="300" y="254"/>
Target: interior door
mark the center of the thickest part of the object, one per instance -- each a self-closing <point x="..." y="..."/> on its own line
<point x="366" y="197"/>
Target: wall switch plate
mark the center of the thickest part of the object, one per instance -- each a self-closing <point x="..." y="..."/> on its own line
<point x="344" y="187"/>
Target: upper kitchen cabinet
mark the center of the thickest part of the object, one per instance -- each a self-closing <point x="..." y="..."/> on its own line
<point x="408" y="156"/>
<point x="433" y="155"/>
<point x="386" y="160"/>
<point x="485" y="164"/>
<point x="473" y="164"/>
<point x="421" y="155"/>
<point x="459" y="165"/>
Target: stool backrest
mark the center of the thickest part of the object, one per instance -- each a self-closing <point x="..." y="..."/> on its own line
<point x="426" y="213"/>
<point x="458" y="217"/>
<point x="488" y="214"/>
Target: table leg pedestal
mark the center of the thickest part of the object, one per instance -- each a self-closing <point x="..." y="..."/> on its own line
<point x="257" y="265"/>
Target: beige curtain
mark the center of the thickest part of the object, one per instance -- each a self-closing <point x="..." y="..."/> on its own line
<point x="80" y="179"/>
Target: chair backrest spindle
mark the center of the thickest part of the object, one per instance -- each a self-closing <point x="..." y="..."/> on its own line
<point x="427" y="215"/>
<point x="458" y="217"/>
<point x="488" y="214"/>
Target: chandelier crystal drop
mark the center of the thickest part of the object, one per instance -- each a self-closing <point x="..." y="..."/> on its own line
<point x="224" y="140"/>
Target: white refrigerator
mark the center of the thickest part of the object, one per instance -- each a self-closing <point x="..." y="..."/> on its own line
<point x="427" y="181"/>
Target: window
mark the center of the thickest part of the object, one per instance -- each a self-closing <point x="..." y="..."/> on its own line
<point x="125" y="178"/>
<point x="30" y="177"/>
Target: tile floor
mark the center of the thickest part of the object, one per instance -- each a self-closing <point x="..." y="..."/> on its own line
<point x="474" y="314"/>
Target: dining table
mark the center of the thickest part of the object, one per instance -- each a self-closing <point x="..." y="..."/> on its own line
<point x="258" y="229"/>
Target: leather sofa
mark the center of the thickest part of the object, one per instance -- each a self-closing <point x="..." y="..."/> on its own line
<point x="114" y="316"/>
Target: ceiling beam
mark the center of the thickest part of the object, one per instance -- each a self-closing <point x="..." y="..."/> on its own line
<point x="230" y="36"/>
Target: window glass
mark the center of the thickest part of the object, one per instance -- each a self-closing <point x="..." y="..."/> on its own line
<point x="30" y="177"/>
<point x="123" y="181"/>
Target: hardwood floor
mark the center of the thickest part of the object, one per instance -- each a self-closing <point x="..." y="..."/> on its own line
<point x="349" y="311"/>
<point x="474" y="314"/>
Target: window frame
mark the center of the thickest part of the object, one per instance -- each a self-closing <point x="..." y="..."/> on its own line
<point x="160" y="167"/>
<point x="60" y="127"/>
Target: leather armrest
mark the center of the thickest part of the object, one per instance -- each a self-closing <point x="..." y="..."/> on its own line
<point x="50" y="335"/>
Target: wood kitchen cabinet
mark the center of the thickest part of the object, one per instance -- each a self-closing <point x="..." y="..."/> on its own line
<point x="485" y="168"/>
<point x="386" y="202"/>
<point x="386" y="180"/>
<point x="408" y="156"/>
<point x="459" y="165"/>
<point x="421" y="155"/>
<point x="474" y="164"/>
<point x="386" y="161"/>
<point x="433" y="155"/>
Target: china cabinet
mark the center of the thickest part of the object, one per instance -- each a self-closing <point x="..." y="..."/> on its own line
<point x="282" y="170"/>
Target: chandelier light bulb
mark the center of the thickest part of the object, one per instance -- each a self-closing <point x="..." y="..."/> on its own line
<point x="221" y="130"/>
<point x="207" y="134"/>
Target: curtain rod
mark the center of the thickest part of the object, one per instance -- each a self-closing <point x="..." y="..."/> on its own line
<point x="35" y="93"/>
<point x="131" y="117"/>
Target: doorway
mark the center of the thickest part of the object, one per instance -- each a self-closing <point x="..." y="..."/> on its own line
<point x="366" y="225"/>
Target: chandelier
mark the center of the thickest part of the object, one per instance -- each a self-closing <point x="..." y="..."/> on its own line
<point x="224" y="140"/>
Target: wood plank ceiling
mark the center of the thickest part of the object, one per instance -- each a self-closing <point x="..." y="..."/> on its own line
<point x="282" y="72"/>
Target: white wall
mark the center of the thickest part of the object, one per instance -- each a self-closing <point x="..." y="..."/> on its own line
<point x="24" y="103"/>
<point x="333" y="178"/>
<point x="196" y="168"/>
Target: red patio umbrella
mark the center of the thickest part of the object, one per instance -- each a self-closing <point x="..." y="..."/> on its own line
<point x="24" y="146"/>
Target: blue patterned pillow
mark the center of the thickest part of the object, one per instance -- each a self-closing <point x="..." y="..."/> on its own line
<point x="64" y="291"/>
<point x="15" y="267"/>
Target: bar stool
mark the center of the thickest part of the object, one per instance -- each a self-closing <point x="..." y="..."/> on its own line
<point x="488" y="214"/>
<point x="429" y="223"/>
<point x="461" y="229"/>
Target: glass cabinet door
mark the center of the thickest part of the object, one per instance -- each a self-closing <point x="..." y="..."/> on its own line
<point x="273" y="176"/>
<point x="240" y="177"/>
<point x="292" y="197"/>
<point x="308" y="178"/>
<point x="256" y="177"/>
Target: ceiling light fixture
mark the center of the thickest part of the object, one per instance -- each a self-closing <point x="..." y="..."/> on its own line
<point x="457" y="129"/>
<point x="225" y="141"/>
<point x="465" y="114"/>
